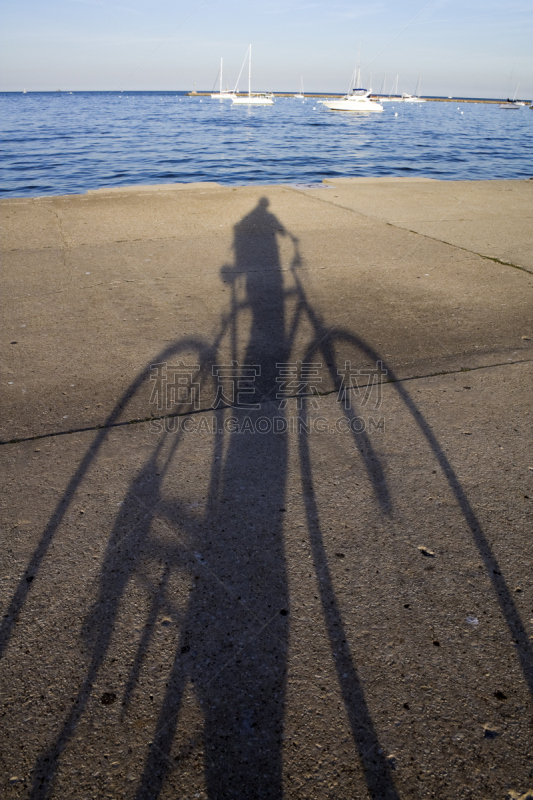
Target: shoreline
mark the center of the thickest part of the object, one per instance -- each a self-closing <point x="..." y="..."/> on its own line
<point x="325" y="183"/>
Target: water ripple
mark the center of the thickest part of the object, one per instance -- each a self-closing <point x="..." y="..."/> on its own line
<point x="58" y="143"/>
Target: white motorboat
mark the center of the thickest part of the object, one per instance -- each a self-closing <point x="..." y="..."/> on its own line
<point x="410" y="98"/>
<point x="222" y="94"/>
<point x="257" y="99"/>
<point x="357" y="100"/>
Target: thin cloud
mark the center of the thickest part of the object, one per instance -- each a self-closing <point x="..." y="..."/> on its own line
<point x="368" y="11"/>
<point x="106" y="7"/>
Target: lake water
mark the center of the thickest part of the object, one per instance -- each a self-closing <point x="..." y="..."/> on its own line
<point x="61" y="143"/>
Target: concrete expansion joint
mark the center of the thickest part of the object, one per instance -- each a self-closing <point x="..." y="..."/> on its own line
<point x="200" y="411"/>
<point x="464" y="249"/>
<point x="331" y="205"/>
<point x="409" y="230"/>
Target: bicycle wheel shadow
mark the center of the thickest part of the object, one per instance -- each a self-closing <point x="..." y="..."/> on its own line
<point x="238" y="618"/>
<point x="233" y="644"/>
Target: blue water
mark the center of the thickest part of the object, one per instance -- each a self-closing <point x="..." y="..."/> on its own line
<point x="61" y="143"/>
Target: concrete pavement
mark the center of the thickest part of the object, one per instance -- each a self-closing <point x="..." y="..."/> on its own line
<point x="327" y="595"/>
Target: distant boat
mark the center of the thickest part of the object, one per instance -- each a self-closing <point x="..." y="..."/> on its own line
<point x="222" y="95"/>
<point x="514" y="103"/>
<point x="257" y="99"/>
<point x="394" y="93"/>
<point x="301" y="95"/>
<point x="409" y="98"/>
<point x="24" y="91"/>
<point x="356" y="100"/>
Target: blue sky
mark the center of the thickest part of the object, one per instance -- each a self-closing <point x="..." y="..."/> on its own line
<point x="466" y="48"/>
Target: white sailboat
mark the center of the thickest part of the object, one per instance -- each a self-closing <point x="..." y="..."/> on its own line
<point x="222" y="94"/>
<point x="301" y="95"/>
<point x="258" y="99"/>
<point x="514" y="103"/>
<point x="394" y="93"/>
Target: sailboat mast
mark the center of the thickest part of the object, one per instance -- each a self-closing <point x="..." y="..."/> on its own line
<point x="250" y="73"/>
<point x="220" y="76"/>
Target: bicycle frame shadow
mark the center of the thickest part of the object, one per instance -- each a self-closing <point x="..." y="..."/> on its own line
<point x="233" y="644"/>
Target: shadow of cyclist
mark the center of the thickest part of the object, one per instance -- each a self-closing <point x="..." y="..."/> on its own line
<point x="233" y="646"/>
<point x="234" y="639"/>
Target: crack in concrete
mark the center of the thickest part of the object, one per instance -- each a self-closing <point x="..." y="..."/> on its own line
<point x="63" y="249"/>
<point x="464" y="249"/>
<point x="197" y="412"/>
<point x="409" y="230"/>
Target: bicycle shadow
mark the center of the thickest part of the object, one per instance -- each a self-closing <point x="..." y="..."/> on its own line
<point x="233" y="645"/>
